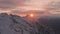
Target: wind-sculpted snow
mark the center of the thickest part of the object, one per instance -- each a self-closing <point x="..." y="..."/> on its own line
<point x="13" y="24"/>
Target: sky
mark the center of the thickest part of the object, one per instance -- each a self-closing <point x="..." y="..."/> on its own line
<point x="24" y="5"/>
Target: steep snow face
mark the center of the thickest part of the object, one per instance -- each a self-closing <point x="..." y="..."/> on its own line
<point x="5" y="21"/>
<point x="13" y="24"/>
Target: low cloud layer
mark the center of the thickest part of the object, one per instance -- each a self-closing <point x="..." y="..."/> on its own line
<point x="10" y="3"/>
<point x="26" y="5"/>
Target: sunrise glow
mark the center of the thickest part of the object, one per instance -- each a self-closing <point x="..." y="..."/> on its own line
<point x="31" y="15"/>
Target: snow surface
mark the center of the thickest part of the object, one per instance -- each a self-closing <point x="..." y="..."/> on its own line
<point x="13" y="24"/>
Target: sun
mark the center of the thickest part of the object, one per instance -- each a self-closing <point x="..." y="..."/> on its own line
<point x="31" y="15"/>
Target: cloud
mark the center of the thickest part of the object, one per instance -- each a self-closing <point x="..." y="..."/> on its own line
<point x="16" y="11"/>
<point x="24" y="4"/>
<point x="4" y="4"/>
<point x="54" y="5"/>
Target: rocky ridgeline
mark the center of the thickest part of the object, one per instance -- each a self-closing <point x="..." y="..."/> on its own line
<point x="13" y="24"/>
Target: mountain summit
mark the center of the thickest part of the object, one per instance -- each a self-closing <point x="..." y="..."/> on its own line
<point x="13" y="24"/>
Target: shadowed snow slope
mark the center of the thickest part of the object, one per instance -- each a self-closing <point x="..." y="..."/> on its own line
<point x="52" y="21"/>
<point x="13" y="24"/>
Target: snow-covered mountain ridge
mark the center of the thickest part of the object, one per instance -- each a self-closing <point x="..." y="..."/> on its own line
<point x="13" y="24"/>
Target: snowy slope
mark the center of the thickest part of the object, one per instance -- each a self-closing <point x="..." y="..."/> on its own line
<point x="52" y="21"/>
<point x="13" y="24"/>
